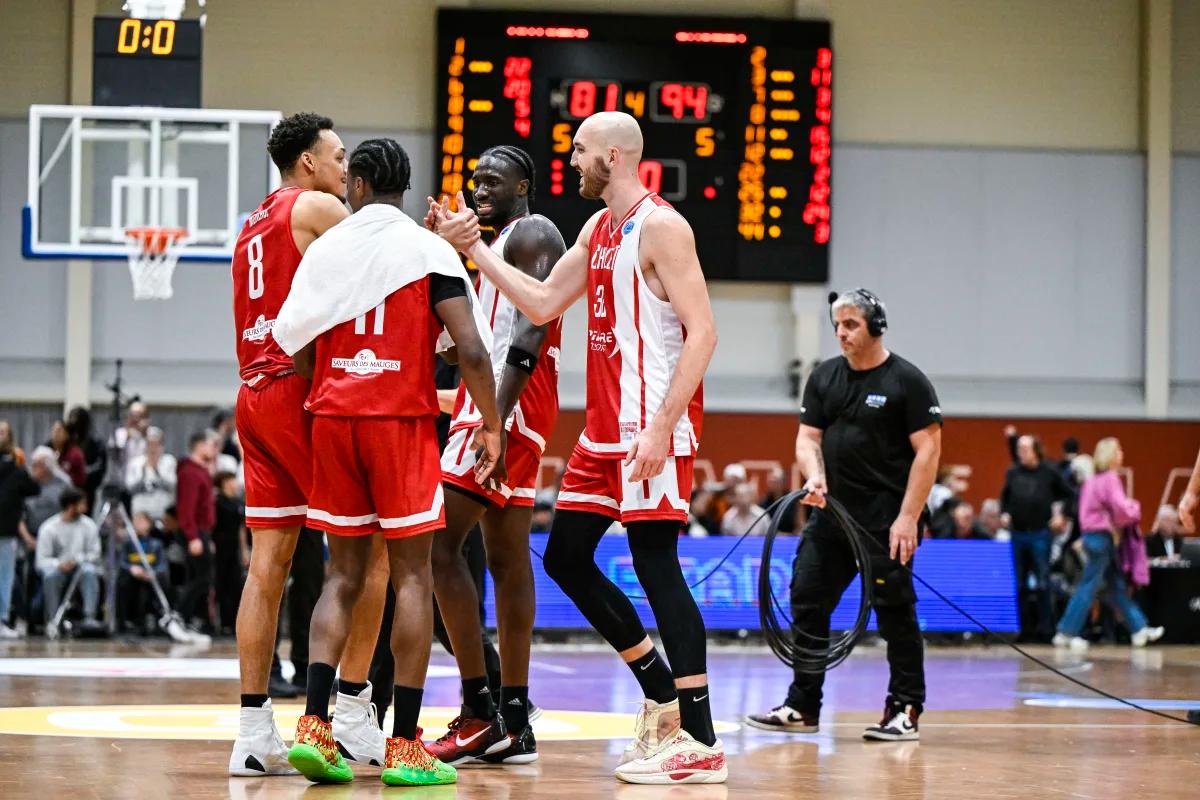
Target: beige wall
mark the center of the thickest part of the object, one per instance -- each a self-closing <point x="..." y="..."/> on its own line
<point x="34" y="48"/>
<point x="1185" y="75"/>
<point x="1017" y="73"/>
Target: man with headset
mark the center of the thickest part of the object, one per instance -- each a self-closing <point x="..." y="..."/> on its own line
<point x="870" y="436"/>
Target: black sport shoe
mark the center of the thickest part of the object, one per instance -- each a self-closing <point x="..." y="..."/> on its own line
<point x="899" y="724"/>
<point x="522" y="749"/>
<point x="1194" y="716"/>
<point x="786" y="719"/>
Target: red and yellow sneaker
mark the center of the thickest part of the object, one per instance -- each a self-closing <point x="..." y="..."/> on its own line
<point x="315" y="754"/>
<point x="469" y="738"/>
<point x="408" y="763"/>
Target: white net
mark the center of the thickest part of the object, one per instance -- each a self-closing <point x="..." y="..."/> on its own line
<point x="153" y="254"/>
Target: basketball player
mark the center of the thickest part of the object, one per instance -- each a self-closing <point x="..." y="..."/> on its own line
<point x="275" y="429"/>
<point x="650" y="337"/>
<point x="363" y="318"/>
<point x="525" y="363"/>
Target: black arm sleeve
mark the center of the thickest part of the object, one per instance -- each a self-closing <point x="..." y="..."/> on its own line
<point x="442" y="287"/>
<point x="921" y="403"/>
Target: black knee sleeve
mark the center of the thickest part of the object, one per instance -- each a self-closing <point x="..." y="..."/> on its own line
<point x="654" y="546"/>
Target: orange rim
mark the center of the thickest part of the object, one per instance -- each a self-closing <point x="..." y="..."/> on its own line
<point x="155" y="240"/>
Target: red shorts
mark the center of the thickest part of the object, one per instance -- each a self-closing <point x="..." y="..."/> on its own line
<point x="376" y="473"/>
<point x="521" y="459"/>
<point x="276" y="436"/>
<point x="601" y="485"/>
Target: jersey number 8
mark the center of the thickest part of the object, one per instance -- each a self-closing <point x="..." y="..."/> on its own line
<point x="254" y="254"/>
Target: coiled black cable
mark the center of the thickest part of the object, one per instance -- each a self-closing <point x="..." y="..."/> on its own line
<point x="776" y="624"/>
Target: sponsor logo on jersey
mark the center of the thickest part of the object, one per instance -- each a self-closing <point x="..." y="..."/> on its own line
<point x="628" y="229"/>
<point x="262" y="326"/>
<point x="604" y="257"/>
<point x="601" y="340"/>
<point x="936" y="410"/>
<point x="553" y="353"/>
<point x="629" y="431"/>
<point x="366" y="365"/>
<point x="877" y="400"/>
<point x="256" y="217"/>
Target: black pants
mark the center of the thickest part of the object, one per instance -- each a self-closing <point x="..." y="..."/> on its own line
<point x="823" y="568"/>
<point x="383" y="666"/>
<point x="135" y="599"/>
<point x="193" y="598"/>
<point x="308" y="575"/>
<point x="229" y="576"/>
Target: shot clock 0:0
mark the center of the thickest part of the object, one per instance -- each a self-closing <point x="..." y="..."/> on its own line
<point x="139" y="36"/>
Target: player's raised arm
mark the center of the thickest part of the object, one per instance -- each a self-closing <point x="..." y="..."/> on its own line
<point x="540" y="301"/>
<point x="670" y="249"/>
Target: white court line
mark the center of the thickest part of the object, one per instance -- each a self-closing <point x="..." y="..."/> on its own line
<point x="1060" y="725"/>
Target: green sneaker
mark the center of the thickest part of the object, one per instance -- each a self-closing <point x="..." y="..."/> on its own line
<point x="315" y="754"/>
<point x="408" y="763"/>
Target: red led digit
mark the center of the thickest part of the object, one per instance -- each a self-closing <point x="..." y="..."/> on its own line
<point x="650" y="174"/>
<point x="610" y="97"/>
<point x="696" y="98"/>
<point x="583" y="99"/>
<point x="671" y="95"/>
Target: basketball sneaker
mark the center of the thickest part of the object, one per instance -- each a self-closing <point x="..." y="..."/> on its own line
<point x="899" y="724"/>
<point x="356" y="728"/>
<point x="315" y="753"/>
<point x="1145" y="636"/>
<point x="680" y="759"/>
<point x="469" y="738"/>
<point x="409" y="763"/>
<point x="655" y="723"/>
<point x="259" y="749"/>
<point x="786" y="719"/>
<point x="521" y="749"/>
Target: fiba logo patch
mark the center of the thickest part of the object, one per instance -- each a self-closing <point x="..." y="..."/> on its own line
<point x="876" y="400"/>
<point x="262" y="326"/>
<point x="365" y="364"/>
<point x="628" y="229"/>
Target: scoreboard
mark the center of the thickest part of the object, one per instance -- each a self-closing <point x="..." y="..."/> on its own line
<point x="735" y="112"/>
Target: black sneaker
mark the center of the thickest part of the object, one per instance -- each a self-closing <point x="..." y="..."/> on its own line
<point x="278" y="687"/>
<point x="532" y="710"/>
<point x="786" y="719"/>
<point x="899" y="724"/>
<point x="522" y="749"/>
<point x="1194" y="716"/>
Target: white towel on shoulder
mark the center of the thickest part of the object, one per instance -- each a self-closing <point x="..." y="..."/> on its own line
<point x="355" y="265"/>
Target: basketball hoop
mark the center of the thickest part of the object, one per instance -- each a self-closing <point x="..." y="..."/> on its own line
<point x="153" y="254"/>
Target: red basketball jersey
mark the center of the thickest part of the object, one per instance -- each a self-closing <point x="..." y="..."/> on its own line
<point x="380" y="364"/>
<point x="536" y="411"/>
<point x="634" y="342"/>
<point x="265" y="259"/>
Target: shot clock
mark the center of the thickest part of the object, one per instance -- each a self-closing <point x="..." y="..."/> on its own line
<point x="146" y="62"/>
<point x="735" y="113"/>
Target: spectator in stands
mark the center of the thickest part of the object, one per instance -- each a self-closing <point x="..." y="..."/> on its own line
<point x="1104" y="512"/>
<point x="70" y="457"/>
<point x="8" y="445"/>
<point x="1166" y="539"/>
<point x="225" y="426"/>
<point x="1030" y="489"/>
<point x="197" y="515"/>
<point x="175" y="543"/>
<point x="15" y="486"/>
<point x="150" y="478"/>
<point x="69" y="542"/>
<point x="965" y="525"/>
<point x="130" y="439"/>
<point x="744" y="513"/>
<point x="95" y="455"/>
<point x="991" y="521"/>
<point x="136" y="602"/>
<point x="700" y="522"/>
<point x="231" y="550"/>
<point x="777" y="487"/>
<point x="51" y="481"/>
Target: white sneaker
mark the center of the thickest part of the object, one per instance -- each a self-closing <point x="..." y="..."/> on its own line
<point x="680" y="759"/>
<point x="356" y="728"/>
<point x="1061" y="640"/>
<point x="8" y="633"/>
<point x="259" y="749"/>
<point x="899" y="724"/>
<point x="1145" y="636"/>
<point x="648" y="728"/>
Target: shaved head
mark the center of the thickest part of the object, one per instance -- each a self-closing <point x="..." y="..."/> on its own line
<point x="614" y="129"/>
<point x="608" y="148"/>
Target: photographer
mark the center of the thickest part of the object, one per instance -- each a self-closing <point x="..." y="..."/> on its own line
<point x="870" y="436"/>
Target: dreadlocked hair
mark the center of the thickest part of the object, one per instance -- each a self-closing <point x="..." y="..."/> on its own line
<point x="383" y="164"/>
<point x="517" y="156"/>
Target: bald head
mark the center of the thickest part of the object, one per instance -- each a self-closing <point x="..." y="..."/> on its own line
<point x="614" y="129"/>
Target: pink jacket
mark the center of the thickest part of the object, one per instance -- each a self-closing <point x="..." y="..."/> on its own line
<point x="1103" y="505"/>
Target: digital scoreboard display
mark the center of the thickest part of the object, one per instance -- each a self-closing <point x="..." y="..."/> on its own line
<point x="146" y="62"/>
<point x="735" y="112"/>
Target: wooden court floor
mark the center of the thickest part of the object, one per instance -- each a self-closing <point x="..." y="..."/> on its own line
<point x="142" y="720"/>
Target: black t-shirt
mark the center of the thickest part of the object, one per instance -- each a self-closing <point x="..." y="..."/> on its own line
<point x="866" y="418"/>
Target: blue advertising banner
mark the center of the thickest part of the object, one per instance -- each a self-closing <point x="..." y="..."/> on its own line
<point x="976" y="575"/>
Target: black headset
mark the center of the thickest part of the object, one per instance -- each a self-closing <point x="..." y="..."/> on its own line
<point x="876" y="321"/>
